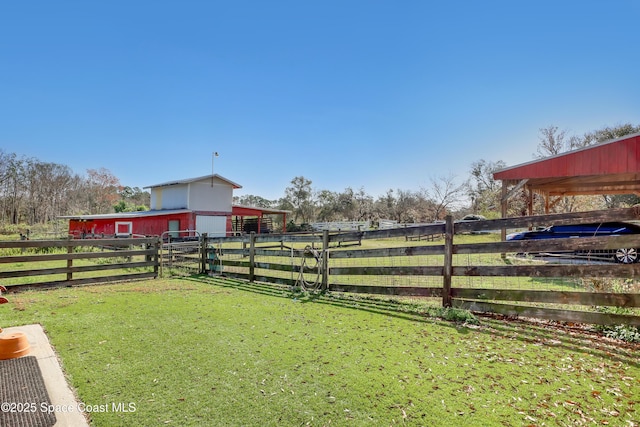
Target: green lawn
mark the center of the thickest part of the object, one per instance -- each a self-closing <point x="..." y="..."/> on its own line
<point x="210" y="351"/>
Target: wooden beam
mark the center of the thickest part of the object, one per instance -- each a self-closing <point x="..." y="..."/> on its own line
<point x="561" y="315"/>
<point x="551" y="297"/>
<point x="514" y="190"/>
<point x="416" y="291"/>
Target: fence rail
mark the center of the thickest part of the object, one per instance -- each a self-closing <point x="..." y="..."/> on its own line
<point x="72" y="262"/>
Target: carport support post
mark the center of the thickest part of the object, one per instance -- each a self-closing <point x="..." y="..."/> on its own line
<point x="448" y="261"/>
<point x="252" y="255"/>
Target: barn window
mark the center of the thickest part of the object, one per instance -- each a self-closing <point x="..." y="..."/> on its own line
<point x="124" y="228"/>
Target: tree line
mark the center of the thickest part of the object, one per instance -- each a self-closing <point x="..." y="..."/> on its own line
<point x="37" y="192"/>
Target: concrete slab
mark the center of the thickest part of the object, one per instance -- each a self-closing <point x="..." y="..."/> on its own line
<point x="60" y="394"/>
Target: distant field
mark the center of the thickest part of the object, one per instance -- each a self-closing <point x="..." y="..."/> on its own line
<point x="210" y="351"/>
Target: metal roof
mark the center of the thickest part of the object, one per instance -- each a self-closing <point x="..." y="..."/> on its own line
<point x="190" y="180"/>
<point x="611" y="167"/>
<point x="237" y="208"/>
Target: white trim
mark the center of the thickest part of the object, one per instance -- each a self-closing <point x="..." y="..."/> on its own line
<point x="128" y="224"/>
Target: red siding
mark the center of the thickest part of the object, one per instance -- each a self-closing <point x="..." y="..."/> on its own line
<point x="620" y="156"/>
<point x="147" y="226"/>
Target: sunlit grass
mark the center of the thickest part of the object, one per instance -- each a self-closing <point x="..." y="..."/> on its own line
<point x="210" y="351"/>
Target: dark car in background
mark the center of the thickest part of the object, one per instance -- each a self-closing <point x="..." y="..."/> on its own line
<point x="621" y="255"/>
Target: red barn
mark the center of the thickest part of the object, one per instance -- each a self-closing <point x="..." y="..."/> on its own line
<point x="199" y="205"/>
<point x="147" y="223"/>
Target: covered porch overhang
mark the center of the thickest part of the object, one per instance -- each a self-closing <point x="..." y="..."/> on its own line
<point x="251" y="211"/>
<point x="553" y="189"/>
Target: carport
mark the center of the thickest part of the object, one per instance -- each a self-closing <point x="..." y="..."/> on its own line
<point x="241" y="213"/>
<point x="607" y="168"/>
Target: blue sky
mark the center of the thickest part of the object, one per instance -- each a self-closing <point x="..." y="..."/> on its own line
<point x="363" y="94"/>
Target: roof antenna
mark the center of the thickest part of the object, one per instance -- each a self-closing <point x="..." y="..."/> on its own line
<point x="213" y="156"/>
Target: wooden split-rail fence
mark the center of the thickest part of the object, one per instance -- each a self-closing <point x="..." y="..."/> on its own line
<point x="469" y="265"/>
<point x="38" y="264"/>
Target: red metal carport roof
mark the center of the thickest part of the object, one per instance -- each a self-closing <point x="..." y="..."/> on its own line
<point x="611" y="167"/>
<point x="254" y="211"/>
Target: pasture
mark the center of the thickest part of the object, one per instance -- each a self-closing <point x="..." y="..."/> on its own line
<point x="216" y="351"/>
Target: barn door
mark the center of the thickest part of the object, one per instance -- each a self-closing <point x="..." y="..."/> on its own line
<point x="174" y="227"/>
<point x="214" y="226"/>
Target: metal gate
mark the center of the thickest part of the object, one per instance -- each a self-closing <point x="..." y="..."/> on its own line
<point x="180" y="253"/>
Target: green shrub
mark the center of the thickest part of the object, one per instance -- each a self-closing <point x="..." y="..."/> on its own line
<point x="458" y="315"/>
<point x="622" y="332"/>
<point x="626" y="333"/>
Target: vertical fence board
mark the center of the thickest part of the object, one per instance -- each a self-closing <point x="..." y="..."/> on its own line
<point x="252" y="256"/>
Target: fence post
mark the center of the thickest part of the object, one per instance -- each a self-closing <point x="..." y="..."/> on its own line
<point x="156" y="256"/>
<point x="325" y="260"/>
<point x="252" y="255"/>
<point x="69" y="263"/>
<point x="203" y="252"/>
<point x="448" y="261"/>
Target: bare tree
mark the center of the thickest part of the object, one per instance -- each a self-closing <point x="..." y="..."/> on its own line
<point x="102" y="191"/>
<point x="552" y="141"/>
<point x="13" y="190"/>
<point x="5" y="161"/>
<point x="46" y="187"/>
<point x="444" y="193"/>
